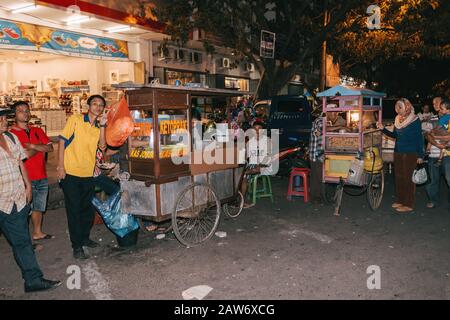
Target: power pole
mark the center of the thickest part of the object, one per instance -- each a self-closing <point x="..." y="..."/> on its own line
<point x="323" y="69"/>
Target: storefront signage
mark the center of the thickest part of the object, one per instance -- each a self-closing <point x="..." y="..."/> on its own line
<point x="172" y="126"/>
<point x="24" y="36"/>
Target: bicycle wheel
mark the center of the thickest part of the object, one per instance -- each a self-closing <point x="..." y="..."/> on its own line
<point x="196" y="214"/>
<point x="375" y="190"/>
<point x="234" y="208"/>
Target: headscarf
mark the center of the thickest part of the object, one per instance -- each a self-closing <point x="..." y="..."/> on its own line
<point x="402" y="121"/>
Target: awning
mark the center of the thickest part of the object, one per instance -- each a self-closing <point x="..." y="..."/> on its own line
<point x="350" y="91"/>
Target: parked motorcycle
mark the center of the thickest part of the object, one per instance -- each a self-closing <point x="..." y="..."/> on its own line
<point x="293" y="157"/>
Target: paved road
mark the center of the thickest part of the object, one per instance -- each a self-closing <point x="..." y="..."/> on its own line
<point x="291" y="251"/>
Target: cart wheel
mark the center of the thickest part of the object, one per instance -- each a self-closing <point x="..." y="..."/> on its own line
<point x="196" y="214"/>
<point x="375" y="190"/>
<point x="329" y="193"/>
<point x="234" y="208"/>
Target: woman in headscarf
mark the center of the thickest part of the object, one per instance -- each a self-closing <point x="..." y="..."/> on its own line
<point x="408" y="152"/>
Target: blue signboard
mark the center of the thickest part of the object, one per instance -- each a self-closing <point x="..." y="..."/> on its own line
<point x="23" y="36"/>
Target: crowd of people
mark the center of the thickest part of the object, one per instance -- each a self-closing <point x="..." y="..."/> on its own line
<point x="24" y="184"/>
<point x="418" y="138"/>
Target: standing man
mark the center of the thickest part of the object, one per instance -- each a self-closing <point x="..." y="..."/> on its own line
<point x="15" y="196"/>
<point x="435" y="171"/>
<point x="78" y="144"/>
<point x="36" y="144"/>
<point x="316" y="151"/>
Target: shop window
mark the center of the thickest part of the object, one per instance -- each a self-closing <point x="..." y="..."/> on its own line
<point x="183" y="77"/>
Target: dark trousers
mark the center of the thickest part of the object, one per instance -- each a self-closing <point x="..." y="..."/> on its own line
<point x="405" y="189"/>
<point x="78" y="193"/>
<point x="316" y="180"/>
<point x="106" y="184"/>
<point x="434" y="173"/>
<point x="15" y="228"/>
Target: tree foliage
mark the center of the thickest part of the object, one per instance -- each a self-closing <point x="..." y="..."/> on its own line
<point x="413" y="32"/>
<point x="298" y="24"/>
<point x="408" y="55"/>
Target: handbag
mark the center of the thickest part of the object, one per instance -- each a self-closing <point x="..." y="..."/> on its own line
<point x="419" y="175"/>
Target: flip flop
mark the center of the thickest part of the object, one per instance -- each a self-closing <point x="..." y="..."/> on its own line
<point x="46" y="237"/>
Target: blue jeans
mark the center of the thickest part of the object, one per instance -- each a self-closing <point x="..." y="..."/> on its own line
<point x="40" y="194"/>
<point x="15" y="228"/>
<point x="435" y="173"/>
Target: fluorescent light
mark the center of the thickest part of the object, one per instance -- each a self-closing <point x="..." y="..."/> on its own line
<point x="119" y="29"/>
<point x="25" y="8"/>
<point x="77" y="19"/>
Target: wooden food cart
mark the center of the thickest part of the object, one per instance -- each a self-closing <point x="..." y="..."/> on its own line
<point x="352" y="153"/>
<point x="191" y="194"/>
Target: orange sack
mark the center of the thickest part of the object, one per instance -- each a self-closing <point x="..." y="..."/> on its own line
<point x="120" y="124"/>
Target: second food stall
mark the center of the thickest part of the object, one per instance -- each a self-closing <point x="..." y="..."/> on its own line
<point x="352" y="153"/>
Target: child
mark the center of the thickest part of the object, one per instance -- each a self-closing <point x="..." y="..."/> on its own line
<point x="442" y="129"/>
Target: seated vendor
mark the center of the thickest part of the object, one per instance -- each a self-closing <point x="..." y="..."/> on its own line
<point x="252" y="170"/>
<point x="335" y="122"/>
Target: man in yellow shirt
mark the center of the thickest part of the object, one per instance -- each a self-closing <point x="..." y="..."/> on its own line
<point x="78" y="144"/>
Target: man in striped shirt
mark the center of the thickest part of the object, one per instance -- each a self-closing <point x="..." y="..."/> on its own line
<point x="15" y="198"/>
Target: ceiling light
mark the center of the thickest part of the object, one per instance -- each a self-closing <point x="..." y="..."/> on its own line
<point x="119" y="29"/>
<point x="21" y="52"/>
<point x="77" y="20"/>
<point x="25" y="8"/>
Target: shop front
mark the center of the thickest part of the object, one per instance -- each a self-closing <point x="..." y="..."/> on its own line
<point x="56" y="70"/>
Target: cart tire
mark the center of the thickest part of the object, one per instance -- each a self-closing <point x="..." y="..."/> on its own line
<point x="234" y="208"/>
<point x="195" y="221"/>
<point x="329" y="193"/>
<point x="375" y="190"/>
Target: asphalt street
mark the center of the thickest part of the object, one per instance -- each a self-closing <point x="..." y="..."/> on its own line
<point x="289" y="251"/>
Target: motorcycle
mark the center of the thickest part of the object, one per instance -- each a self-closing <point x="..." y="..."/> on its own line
<point x="293" y="157"/>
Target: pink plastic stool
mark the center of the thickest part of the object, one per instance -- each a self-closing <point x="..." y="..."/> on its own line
<point x="299" y="191"/>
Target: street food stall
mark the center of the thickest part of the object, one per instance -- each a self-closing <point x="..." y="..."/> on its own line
<point x="352" y="152"/>
<point x="170" y="176"/>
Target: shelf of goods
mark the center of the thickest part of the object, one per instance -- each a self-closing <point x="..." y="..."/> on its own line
<point x="53" y="120"/>
<point x="111" y="96"/>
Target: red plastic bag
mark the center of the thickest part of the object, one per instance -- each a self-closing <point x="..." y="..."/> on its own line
<point x="120" y="124"/>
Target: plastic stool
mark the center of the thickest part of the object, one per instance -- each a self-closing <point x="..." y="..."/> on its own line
<point x="302" y="190"/>
<point x="264" y="192"/>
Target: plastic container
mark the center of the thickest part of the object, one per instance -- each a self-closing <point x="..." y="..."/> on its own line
<point x="129" y="239"/>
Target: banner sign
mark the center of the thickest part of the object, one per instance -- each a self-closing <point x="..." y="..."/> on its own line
<point x="267" y="49"/>
<point x="24" y="36"/>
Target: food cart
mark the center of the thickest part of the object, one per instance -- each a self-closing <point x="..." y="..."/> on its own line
<point x="352" y="153"/>
<point x="191" y="193"/>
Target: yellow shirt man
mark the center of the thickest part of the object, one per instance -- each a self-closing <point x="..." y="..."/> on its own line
<point x="80" y="141"/>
